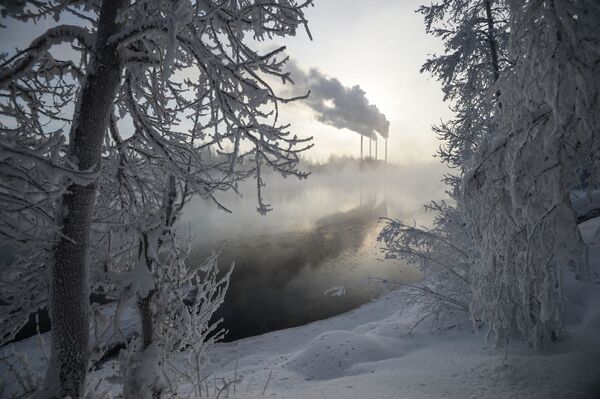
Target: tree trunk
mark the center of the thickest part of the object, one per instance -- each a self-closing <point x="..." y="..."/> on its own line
<point x="147" y="318"/>
<point x="69" y="286"/>
<point x="492" y="40"/>
<point x="145" y="304"/>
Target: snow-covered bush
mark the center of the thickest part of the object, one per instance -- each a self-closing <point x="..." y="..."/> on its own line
<point x="183" y="304"/>
<point x="442" y="255"/>
<point x="142" y="262"/>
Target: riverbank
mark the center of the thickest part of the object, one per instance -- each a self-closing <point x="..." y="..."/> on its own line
<point x="369" y="353"/>
<point x="373" y="352"/>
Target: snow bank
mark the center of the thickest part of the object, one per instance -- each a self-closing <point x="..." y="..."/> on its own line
<point x="369" y="353"/>
<point x="331" y="354"/>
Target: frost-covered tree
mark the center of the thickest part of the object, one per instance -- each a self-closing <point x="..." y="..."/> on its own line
<point x="142" y="263"/>
<point x="531" y="134"/>
<point x="474" y="34"/>
<point x="517" y="188"/>
<point x="188" y="90"/>
<point x="475" y="38"/>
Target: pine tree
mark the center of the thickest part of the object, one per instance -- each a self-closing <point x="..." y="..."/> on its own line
<point x="525" y="134"/>
<point x="475" y="38"/>
<point x="517" y="189"/>
<point x="474" y="34"/>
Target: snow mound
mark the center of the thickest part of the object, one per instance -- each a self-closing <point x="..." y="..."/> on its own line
<point x="397" y="326"/>
<point x="331" y="354"/>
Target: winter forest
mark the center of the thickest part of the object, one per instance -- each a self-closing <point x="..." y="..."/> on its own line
<point x="300" y="199"/>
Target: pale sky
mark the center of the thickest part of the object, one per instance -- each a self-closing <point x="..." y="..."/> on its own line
<point x="379" y="45"/>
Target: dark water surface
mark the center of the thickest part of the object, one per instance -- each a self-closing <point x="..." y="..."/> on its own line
<point x="321" y="234"/>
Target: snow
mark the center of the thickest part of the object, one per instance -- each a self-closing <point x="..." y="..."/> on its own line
<point x="370" y="353"/>
<point x="36" y="349"/>
<point x="454" y="365"/>
<point x="334" y="353"/>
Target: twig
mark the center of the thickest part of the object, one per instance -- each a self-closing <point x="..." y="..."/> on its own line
<point x="268" y="379"/>
<point x="41" y="339"/>
<point x="226" y="385"/>
<point x="237" y="359"/>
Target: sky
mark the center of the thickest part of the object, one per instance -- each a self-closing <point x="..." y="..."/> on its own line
<point x="379" y="45"/>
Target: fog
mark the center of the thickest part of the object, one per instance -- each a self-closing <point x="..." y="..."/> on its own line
<point x="321" y="234"/>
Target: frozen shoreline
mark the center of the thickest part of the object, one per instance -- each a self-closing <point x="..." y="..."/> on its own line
<point x="368" y="353"/>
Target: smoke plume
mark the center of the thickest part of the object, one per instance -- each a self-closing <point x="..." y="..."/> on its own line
<point x="338" y="105"/>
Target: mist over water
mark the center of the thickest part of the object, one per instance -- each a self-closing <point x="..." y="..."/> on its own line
<point x="321" y="234"/>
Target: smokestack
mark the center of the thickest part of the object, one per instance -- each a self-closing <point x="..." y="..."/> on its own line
<point x="361" y="146"/>
<point x="376" y="149"/>
<point x="386" y="150"/>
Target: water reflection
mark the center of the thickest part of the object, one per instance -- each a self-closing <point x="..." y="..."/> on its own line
<point x="321" y="234"/>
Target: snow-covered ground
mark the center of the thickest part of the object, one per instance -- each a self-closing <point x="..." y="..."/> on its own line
<point x="369" y="353"/>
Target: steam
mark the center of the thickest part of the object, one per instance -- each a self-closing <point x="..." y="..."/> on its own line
<point x="338" y="105"/>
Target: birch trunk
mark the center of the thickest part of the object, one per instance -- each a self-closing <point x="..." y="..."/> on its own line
<point x="69" y="286"/>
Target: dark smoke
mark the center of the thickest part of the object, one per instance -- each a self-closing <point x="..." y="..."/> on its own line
<point x="338" y="105"/>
